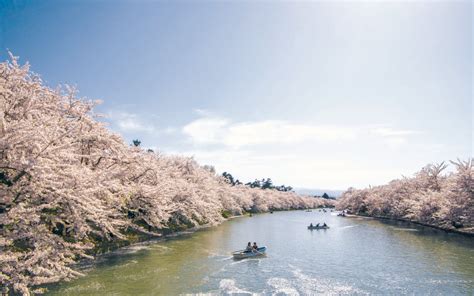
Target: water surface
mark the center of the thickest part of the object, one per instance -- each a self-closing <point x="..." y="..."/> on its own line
<point x="356" y="256"/>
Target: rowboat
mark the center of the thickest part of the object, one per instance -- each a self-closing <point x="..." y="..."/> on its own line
<point x="242" y="254"/>
<point x="318" y="227"/>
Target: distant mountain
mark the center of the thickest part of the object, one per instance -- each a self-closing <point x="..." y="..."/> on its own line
<point x="318" y="192"/>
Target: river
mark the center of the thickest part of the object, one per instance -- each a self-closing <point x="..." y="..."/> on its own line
<point x="356" y="256"/>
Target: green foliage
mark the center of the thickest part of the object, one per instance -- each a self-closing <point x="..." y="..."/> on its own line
<point x="230" y="179"/>
<point x="226" y="214"/>
<point x="267" y="184"/>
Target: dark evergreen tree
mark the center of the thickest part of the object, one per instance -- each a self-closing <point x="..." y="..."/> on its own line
<point x="267" y="184"/>
<point x="229" y="178"/>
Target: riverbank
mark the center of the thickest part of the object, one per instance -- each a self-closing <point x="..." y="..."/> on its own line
<point x="468" y="233"/>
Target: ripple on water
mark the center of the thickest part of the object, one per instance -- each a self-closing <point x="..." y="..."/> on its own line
<point x="226" y="258"/>
<point x="314" y="285"/>
<point x="128" y="263"/>
<point x="84" y="289"/>
<point x="282" y="286"/>
<point x="220" y="256"/>
<point x="228" y="287"/>
<point x="247" y="261"/>
<point x="132" y="249"/>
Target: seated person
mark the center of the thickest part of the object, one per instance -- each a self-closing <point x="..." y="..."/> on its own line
<point x="249" y="247"/>
<point x="254" y="247"/>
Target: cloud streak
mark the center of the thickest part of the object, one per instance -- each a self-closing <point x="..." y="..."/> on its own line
<point x="222" y="131"/>
<point x="215" y="130"/>
<point x="129" y="122"/>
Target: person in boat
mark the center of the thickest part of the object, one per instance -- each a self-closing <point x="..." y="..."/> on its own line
<point x="325" y="225"/>
<point x="311" y="225"/>
<point x="254" y="247"/>
<point x="317" y="225"/>
<point x="249" y="247"/>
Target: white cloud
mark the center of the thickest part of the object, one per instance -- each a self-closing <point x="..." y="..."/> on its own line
<point x="215" y="130"/>
<point x="207" y="130"/>
<point x="129" y="122"/>
<point x="393" y="138"/>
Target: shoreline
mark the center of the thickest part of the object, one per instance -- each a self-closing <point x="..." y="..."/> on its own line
<point x="447" y="230"/>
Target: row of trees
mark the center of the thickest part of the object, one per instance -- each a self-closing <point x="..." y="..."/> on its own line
<point x="70" y="188"/>
<point x="430" y="197"/>
<point x="261" y="184"/>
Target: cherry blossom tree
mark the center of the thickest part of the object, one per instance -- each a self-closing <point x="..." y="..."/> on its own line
<point x="430" y="197"/>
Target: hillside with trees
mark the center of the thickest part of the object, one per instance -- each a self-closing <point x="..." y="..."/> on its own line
<point x="430" y="197"/>
<point x="70" y="188"/>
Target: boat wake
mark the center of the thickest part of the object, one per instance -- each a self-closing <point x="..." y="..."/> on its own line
<point x="226" y="258"/>
<point x="282" y="286"/>
<point x="253" y="260"/>
<point x="308" y="285"/>
<point x="228" y="286"/>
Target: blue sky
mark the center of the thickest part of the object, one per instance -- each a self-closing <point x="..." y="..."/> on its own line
<point x="313" y="94"/>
